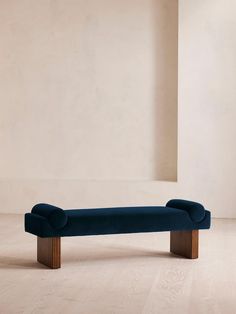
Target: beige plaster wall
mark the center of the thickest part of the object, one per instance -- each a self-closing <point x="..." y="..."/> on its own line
<point x="88" y="90"/>
<point x="206" y="105"/>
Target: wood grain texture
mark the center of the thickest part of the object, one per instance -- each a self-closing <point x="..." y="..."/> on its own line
<point x="49" y="252"/>
<point x="184" y="243"/>
<point x="118" y="274"/>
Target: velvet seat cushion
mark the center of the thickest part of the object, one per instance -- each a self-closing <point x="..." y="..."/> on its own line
<point x="116" y="220"/>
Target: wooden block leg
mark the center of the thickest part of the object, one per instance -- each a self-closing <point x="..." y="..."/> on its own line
<point x="49" y="252"/>
<point x="184" y="243"/>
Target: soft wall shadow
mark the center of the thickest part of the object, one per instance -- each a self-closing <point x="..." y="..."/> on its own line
<point x="165" y="108"/>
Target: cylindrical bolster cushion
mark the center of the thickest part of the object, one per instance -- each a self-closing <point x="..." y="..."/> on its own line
<point x="195" y="210"/>
<point x="56" y="216"/>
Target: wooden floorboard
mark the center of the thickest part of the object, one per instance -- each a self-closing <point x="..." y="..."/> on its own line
<point x="130" y="274"/>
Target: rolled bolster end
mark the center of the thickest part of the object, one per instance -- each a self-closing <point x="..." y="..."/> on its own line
<point x="56" y="216"/>
<point x="195" y="210"/>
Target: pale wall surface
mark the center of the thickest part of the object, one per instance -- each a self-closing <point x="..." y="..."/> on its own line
<point x="207" y="103"/>
<point x="89" y="90"/>
<point x="206" y="128"/>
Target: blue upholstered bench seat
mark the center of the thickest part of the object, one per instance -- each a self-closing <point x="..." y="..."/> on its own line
<point x="49" y="221"/>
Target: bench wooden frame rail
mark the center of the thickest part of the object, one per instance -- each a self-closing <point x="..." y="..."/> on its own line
<point x="49" y="252"/>
<point x="183" y="243"/>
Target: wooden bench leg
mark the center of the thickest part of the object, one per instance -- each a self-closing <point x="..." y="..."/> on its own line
<point x="49" y="252"/>
<point x="184" y="243"/>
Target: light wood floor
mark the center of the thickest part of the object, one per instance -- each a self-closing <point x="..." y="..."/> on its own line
<point x="129" y="274"/>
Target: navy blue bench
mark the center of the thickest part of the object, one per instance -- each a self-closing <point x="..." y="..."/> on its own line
<point x="183" y="218"/>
